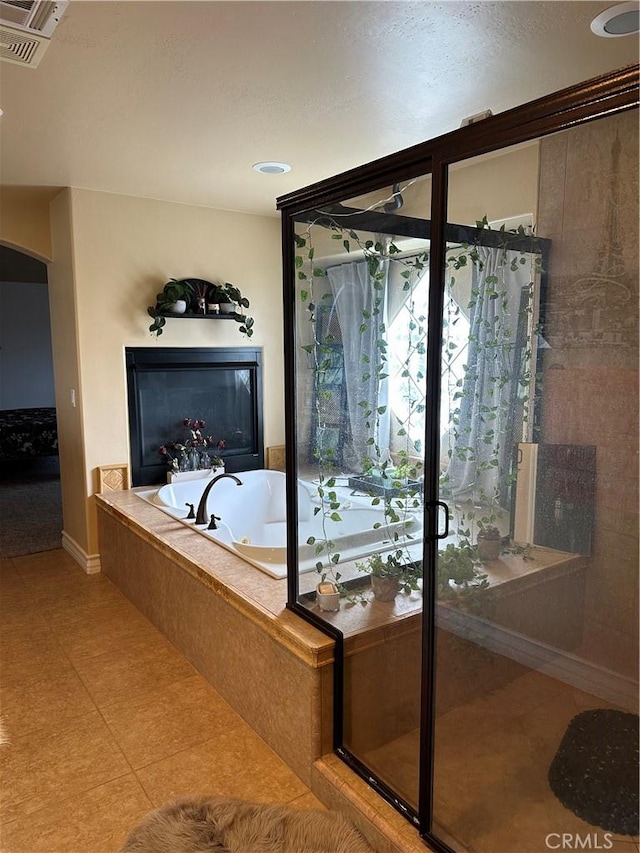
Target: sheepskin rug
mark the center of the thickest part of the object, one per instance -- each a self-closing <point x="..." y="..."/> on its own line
<point x="224" y="825"/>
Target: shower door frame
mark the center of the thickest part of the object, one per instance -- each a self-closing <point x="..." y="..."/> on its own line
<point x="588" y="101"/>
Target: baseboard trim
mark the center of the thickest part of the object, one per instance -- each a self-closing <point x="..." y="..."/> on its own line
<point x="580" y="673"/>
<point x="89" y="563"/>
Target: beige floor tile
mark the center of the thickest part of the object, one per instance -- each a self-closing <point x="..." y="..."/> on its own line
<point x="587" y="701"/>
<point x="546" y="724"/>
<point x="480" y="786"/>
<point x="169" y="720"/>
<point x="96" y="821"/>
<point x="45" y="705"/>
<point x="74" y="614"/>
<point x="47" y="562"/>
<point x="132" y="672"/>
<point x="397" y="764"/>
<point x="29" y="660"/>
<point x="69" y="601"/>
<point x="110" y="630"/>
<point x="307" y="801"/>
<point x="235" y="763"/>
<point x="21" y="620"/>
<point x="524" y="693"/>
<point x="15" y="595"/>
<point x="10" y="581"/>
<point x="40" y="768"/>
<point x="476" y="719"/>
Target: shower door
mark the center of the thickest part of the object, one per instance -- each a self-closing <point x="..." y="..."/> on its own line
<point x="361" y="318"/>
<point x="461" y="350"/>
<point x="539" y="645"/>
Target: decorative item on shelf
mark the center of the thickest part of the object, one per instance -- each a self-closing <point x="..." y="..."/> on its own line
<point x="459" y="580"/>
<point x="231" y="301"/>
<point x="327" y="596"/>
<point x="203" y="474"/>
<point x="200" y="288"/>
<point x="201" y="299"/>
<point x="174" y="298"/>
<point x="197" y="455"/>
<point x="391" y="574"/>
<point x="489" y="543"/>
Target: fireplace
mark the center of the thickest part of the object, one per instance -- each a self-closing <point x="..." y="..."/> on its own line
<point x="222" y="386"/>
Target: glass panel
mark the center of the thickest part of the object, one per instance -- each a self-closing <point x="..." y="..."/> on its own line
<point x="536" y="622"/>
<point x="362" y="288"/>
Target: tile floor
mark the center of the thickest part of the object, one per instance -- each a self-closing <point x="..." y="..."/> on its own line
<point x="104" y="720"/>
<point x="492" y="760"/>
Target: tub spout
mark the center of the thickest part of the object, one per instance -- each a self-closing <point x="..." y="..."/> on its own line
<point x="201" y="514"/>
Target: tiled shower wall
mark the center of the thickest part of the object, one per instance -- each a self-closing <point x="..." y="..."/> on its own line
<point x="588" y="207"/>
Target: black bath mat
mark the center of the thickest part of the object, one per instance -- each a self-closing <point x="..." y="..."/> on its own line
<point x="595" y="770"/>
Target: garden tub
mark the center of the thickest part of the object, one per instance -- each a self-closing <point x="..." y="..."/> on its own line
<point x="251" y="520"/>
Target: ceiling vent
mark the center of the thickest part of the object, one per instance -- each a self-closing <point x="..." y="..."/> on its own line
<point x="26" y="27"/>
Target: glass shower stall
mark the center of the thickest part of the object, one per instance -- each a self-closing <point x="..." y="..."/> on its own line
<point x="461" y="341"/>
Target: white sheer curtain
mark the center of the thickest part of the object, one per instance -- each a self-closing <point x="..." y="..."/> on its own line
<point x="486" y="418"/>
<point x="354" y="297"/>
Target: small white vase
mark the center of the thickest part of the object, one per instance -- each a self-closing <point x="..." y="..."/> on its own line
<point x="178" y="307"/>
<point x="203" y="474"/>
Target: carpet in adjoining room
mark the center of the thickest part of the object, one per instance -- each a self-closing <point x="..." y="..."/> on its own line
<point x="30" y="507"/>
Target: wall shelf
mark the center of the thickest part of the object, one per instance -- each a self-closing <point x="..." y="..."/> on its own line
<point x="192" y="316"/>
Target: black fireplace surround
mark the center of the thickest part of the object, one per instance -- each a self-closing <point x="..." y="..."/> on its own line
<point x="221" y="385"/>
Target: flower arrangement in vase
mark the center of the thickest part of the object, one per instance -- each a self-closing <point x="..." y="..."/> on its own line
<point x="194" y="453"/>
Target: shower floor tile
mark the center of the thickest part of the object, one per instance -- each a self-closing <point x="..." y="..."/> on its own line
<point x="491" y="763"/>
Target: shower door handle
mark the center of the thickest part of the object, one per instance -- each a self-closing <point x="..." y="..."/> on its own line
<point x="437" y="505"/>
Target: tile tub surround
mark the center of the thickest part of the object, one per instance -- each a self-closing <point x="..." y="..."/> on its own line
<point x="229" y="621"/>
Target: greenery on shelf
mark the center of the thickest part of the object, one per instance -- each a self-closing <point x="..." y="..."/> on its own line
<point x="459" y="579"/>
<point x="197" y="293"/>
<point x="173" y="291"/>
<point x="393" y="565"/>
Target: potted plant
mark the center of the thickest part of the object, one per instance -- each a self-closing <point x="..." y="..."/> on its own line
<point x="489" y="543"/>
<point x="174" y="298"/>
<point x="231" y="301"/>
<point x="221" y="297"/>
<point x="390" y="574"/>
<point x="198" y="294"/>
<point x="458" y="576"/>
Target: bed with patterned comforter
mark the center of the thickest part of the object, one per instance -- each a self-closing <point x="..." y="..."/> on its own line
<point x="27" y="433"/>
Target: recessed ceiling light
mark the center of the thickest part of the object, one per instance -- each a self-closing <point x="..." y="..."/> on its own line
<point x="620" y="20"/>
<point x="270" y="167"/>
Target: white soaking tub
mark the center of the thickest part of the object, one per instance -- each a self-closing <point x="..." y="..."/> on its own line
<point x="252" y="520"/>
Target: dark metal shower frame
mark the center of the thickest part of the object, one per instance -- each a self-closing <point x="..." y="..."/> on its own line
<point x="597" y="98"/>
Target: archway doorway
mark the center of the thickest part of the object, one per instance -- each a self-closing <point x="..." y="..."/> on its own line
<point x="31" y="520"/>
